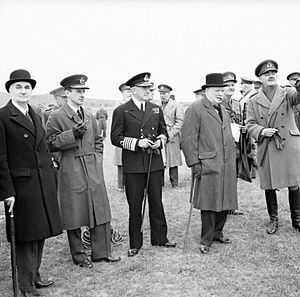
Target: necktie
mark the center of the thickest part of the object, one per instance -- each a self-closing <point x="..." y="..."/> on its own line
<point x="142" y="107"/>
<point x="79" y="113"/>
<point x="218" y="109"/>
<point x="28" y="117"/>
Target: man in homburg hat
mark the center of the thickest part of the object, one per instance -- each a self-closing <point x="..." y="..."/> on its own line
<point x="292" y="78"/>
<point x="270" y="120"/>
<point x="73" y="131"/>
<point x="208" y="147"/>
<point x="173" y="114"/>
<point x="138" y="127"/>
<point x="27" y="181"/>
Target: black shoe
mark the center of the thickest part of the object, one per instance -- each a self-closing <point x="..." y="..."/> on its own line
<point x="108" y="259"/>
<point x="223" y="240"/>
<point x="169" y="244"/>
<point x="204" y="249"/>
<point x="133" y="252"/>
<point x="273" y="226"/>
<point x="85" y="264"/>
<point x="44" y="284"/>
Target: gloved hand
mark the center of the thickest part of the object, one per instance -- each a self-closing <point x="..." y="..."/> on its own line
<point x="79" y="130"/>
<point x="196" y="170"/>
<point x="278" y="141"/>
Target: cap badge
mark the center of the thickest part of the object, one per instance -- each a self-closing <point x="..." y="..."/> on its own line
<point x="161" y="87"/>
<point x="270" y="65"/>
<point x="82" y="81"/>
<point x="146" y="78"/>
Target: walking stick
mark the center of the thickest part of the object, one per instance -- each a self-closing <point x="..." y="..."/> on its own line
<point x="192" y="195"/>
<point x="13" y="253"/>
<point x="146" y="189"/>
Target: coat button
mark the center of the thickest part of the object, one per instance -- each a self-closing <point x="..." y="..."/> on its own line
<point x="152" y="128"/>
<point x="261" y="117"/>
<point x="283" y="138"/>
<point x="26" y="135"/>
<point x="282" y="126"/>
<point x="142" y="136"/>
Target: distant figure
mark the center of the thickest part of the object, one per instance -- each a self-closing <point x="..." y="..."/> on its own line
<point x="126" y="93"/>
<point x="101" y="117"/>
<point x="292" y="78"/>
<point x="246" y="90"/>
<point x="27" y="182"/>
<point x="200" y="93"/>
<point x="257" y="85"/>
<point x="172" y="97"/>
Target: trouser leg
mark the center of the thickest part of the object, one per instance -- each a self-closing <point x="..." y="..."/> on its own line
<point x="220" y="222"/>
<point x="28" y="256"/>
<point x="100" y="241"/>
<point x="173" y="173"/>
<point x="120" y="177"/>
<point x="76" y="248"/>
<point x="272" y="207"/>
<point x="157" y="218"/>
<point x="208" y="220"/>
<point x="134" y="188"/>
<point x="294" y="201"/>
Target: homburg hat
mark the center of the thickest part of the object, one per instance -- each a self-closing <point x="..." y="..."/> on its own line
<point x="213" y="80"/>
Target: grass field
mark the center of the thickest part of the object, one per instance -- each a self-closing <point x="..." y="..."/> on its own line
<point x="255" y="264"/>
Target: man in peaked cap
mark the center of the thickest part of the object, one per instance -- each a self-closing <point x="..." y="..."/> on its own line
<point x="173" y="114"/>
<point x="246" y="90"/>
<point x="73" y="131"/>
<point x="270" y="121"/>
<point x="210" y="152"/>
<point x="257" y="85"/>
<point x="138" y="127"/>
<point x="27" y="182"/>
<point x="199" y="94"/>
<point x="292" y="78"/>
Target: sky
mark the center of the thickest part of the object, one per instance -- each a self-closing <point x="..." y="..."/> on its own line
<point x="178" y="42"/>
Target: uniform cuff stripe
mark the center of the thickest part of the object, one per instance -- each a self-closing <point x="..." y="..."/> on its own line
<point x="129" y="143"/>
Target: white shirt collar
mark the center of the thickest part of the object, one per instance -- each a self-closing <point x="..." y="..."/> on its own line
<point x="138" y="103"/>
<point x="73" y="108"/>
<point x="23" y="110"/>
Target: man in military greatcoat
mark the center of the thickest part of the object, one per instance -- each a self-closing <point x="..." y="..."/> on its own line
<point x="270" y="121"/>
<point x="208" y="147"/>
<point x="292" y="78"/>
<point x="138" y="127"/>
<point x="73" y="131"/>
<point x="27" y="181"/>
<point x="173" y="114"/>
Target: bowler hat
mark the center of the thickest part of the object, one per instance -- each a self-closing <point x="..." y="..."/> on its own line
<point x="229" y="76"/>
<point x="140" y="80"/>
<point x="213" y="80"/>
<point x="19" y="75"/>
<point x="293" y="75"/>
<point x="265" y="66"/>
<point x="76" y="81"/>
<point x="164" y="88"/>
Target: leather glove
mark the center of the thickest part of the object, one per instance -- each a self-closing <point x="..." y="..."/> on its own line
<point x="196" y="170"/>
<point x="79" y="130"/>
<point x="278" y="141"/>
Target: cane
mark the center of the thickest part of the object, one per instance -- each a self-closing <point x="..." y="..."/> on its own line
<point x="192" y="195"/>
<point x="13" y="253"/>
<point x="146" y="189"/>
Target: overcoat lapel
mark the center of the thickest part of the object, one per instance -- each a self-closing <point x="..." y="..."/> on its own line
<point x="210" y="109"/>
<point x="71" y="114"/>
<point x="263" y="100"/>
<point x="39" y="130"/>
<point x="276" y="102"/>
<point x="20" y="119"/>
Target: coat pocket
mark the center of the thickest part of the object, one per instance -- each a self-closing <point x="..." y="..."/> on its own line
<point x="20" y="172"/>
<point x="295" y="132"/>
<point x="208" y="162"/>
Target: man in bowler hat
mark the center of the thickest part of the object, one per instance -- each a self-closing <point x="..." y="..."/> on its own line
<point x="138" y="127"/>
<point x="27" y="183"/>
<point x="72" y="131"/>
<point x="270" y="121"/>
<point x="208" y="147"/>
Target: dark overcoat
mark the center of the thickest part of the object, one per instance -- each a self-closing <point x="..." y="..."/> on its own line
<point x="280" y="168"/>
<point x="26" y="172"/>
<point x="208" y="141"/>
<point x="129" y="121"/>
<point x="81" y="188"/>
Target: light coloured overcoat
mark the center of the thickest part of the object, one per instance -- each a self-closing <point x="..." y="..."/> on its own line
<point x="81" y="188"/>
<point x="281" y="168"/>
<point x="207" y="140"/>
<point x="174" y="115"/>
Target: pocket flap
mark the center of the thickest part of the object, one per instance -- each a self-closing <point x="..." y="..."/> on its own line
<point x="207" y="155"/>
<point x="295" y="132"/>
<point x="20" y="172"/>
